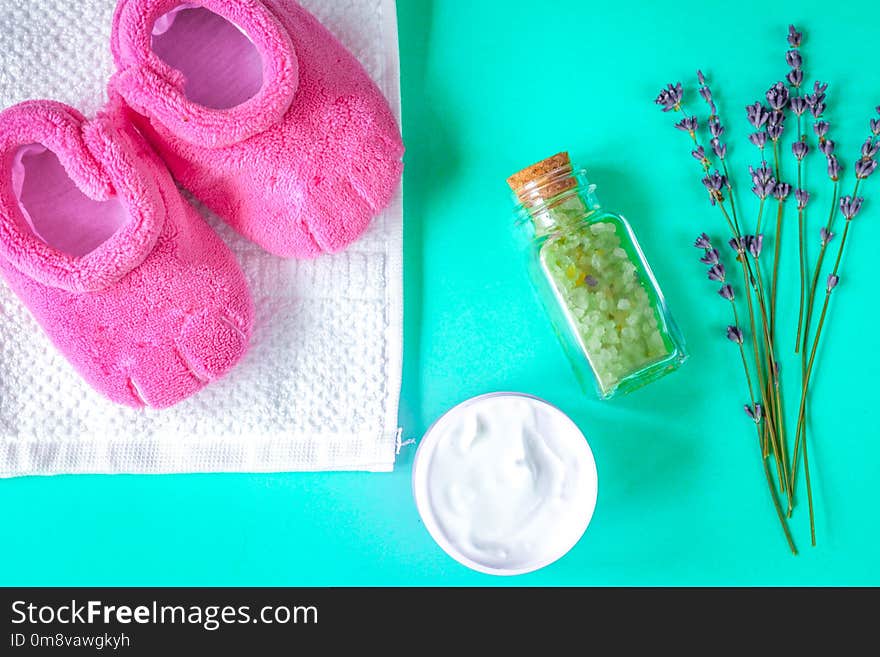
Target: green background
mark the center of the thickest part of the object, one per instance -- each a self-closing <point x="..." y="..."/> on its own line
<point x="489" y="87"/>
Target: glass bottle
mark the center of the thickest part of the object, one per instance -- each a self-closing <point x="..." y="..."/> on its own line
<point x="589" y="271"/>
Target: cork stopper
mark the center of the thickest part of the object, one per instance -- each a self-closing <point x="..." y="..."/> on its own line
<point x="551" y="177"/>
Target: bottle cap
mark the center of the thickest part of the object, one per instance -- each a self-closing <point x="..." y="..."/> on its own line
<point x="543" y="180"/>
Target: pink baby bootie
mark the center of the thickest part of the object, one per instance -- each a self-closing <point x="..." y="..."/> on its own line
<point x="260" y="112"/>
<point x="123" y="275"/>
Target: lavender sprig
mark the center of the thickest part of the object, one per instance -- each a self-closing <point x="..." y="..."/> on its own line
<point x="719" y="148"/>
<point x="798" y="105"/>
<point x="717" y="273"/>
<point x="768" y="119"/>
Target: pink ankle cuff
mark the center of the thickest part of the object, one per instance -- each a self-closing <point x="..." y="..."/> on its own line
<point x="152" y="87"/>
<point x="101" y="169"/>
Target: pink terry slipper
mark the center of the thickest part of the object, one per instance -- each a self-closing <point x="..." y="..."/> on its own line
<point x="126" y="279"/>
<point x="260" y="112"/>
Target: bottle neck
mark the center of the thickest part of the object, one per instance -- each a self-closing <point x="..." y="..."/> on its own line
<point x="557" y="201"/>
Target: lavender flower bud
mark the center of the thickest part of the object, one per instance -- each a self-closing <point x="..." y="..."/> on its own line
<point x="827" y="147"/>
<point x="726" y="291"/>
<point x="794" y="37"/>
<point x="710" y="257"/>
<point x="699" y="154"/>
<point x="775" y="125"/>
<point x="782" y="191"/>
<point x="762" y="174"/>
<point x="764" y="182"/>
<point x="755" y="243"/>
<point x="688" y="124"/>
<point x="875" y="127"/>
<point x="816" y="100"/>
<point x="798" y="105"/>
<point x="850" y="206"/>
<point x="870" y="148"/>
<point x="800" y="149"/>
<point x="735" y="334"/>
<point x="795" y="77"/>
<point x="757" y="115"/>
<point x="821" y="129"/>
<point x="833" y="280"/>
<point x="802" y="197"/>
<point x="865" y="168"/>
<point x="755" y="412"/>
<point x="793" y="58"/>
<point x="737" y="244"/>
<point x="833" y="168"/>
<point x="707" y="96"/>
<point x="700" y="78"/>
<point x="777" y="96"/>
<point x="759" y="139"/>
<point x="714" y="183"/>
<point x="719" y="149"/>
<point x="703" y="242"/>
<point x="763" y="190"/>
<point x="715" y="127"/>
<point x="826" y="236"/>
<point x="670" y="97"/>
<point x="717" y="273"/>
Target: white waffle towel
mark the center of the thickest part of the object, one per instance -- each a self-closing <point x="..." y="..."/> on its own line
<point x="319" y="388"/>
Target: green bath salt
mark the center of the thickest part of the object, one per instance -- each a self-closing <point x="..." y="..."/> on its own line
<point x="613" y="317"/>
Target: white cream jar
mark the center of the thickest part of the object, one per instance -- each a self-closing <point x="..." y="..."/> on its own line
<point x="505" y="483"/>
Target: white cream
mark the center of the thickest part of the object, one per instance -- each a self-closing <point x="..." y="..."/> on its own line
<point x="505" y="483"/>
